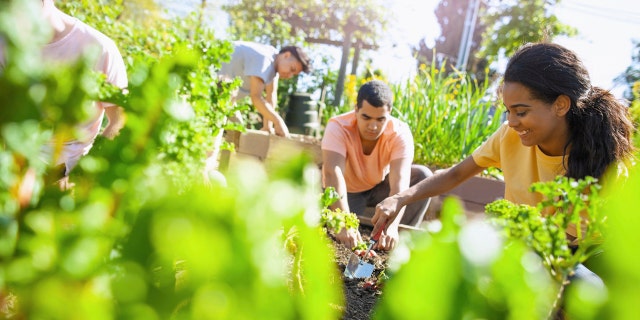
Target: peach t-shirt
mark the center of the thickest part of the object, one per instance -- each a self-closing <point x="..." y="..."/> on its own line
<point x="363" y="172"/>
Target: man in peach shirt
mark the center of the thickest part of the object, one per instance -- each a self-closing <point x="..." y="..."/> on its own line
<point x="367" y="156"/>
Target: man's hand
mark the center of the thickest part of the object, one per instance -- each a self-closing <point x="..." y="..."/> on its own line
<point x="349" y="237"/>
<point x="281" y="127"/>
<point x="389" y="239"/>
<point x="116" y="119"/>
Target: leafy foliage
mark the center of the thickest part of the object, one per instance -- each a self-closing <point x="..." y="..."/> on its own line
<point x="284" y="22"/>
<point x="465" y="272"/>
<point x="451" y="15"/>
<point x="198" y="101"/>
<point x="618" y="263"/>
<point x="514" y="23"/>
<point x="573" y="203"/>
<point x="126" y="242"/>
<point x="434" y="98"/>
<point x="631" y="76"/>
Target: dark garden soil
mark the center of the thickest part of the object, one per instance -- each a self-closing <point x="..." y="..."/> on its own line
<point x="361" y="295"/>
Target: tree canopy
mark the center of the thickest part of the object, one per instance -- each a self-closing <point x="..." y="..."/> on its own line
<point x="632" y="74"/>
<point x="503" y="26"/>
<point x="451" y="16"/>
<point x="283" y="22"/>
<point x="511" y="24"/>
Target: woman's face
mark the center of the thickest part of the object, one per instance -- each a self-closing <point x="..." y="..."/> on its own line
<point x="536" y="122"/>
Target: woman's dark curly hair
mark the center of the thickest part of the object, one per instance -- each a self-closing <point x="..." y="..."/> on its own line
<point x="599" y="125"/>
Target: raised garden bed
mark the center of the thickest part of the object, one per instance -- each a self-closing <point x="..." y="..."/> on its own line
<point x="265" y="147"/>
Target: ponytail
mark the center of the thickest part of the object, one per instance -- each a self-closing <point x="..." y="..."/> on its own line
<point x="599" y="134"/>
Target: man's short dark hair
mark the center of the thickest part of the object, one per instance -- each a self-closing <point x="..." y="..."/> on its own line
<point x="377" y="93"/>
<point x="300" y="56"/>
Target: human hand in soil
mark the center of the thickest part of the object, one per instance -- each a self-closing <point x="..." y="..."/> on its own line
<point x="349" y="237"/>
<point x="389" y="239"/>
<point x="386" y="211"/>
<point x="361" y="253"/>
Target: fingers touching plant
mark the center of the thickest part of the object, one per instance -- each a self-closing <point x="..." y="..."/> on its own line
<point x="335" y="220"/>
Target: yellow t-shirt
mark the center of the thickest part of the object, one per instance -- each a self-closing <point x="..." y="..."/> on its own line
<point x="363" y="172"/>
<point x="521" y="165"/>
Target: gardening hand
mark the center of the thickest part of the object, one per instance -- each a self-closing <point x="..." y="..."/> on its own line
<point x="349" y="237"/>
<point x="116" y="117"/>
<point x="281" y="127"/>
<point x="388" y="240"/>
<point x="386" y="211"/>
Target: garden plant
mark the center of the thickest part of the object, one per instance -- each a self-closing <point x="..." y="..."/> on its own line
<point x="141" y="236"/>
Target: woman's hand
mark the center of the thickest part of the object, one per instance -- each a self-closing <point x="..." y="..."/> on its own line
<point x="386" y="212"/>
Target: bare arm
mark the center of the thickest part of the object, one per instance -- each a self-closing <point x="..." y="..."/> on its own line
<point x="116" y="118"/>
<point x="333" y="165"/>
<point x="439" y="183"/>
<point x="265" y="108"/>
<point x="399" y="180"/>
<point x="272" y="99"/>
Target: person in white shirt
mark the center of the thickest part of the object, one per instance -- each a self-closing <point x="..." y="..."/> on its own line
<point x="71" y="39"/>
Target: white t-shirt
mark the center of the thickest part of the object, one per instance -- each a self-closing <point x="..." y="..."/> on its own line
<point x="70" y="48"/>
<point x="250" y="59"/>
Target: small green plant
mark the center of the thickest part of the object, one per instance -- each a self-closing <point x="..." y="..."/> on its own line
<point x="361" y="246"/>
<point x="572" y="203"/>
<point x="328" y="197"/>
<point x="335" y="220"/>
<point x="569" y="204"/>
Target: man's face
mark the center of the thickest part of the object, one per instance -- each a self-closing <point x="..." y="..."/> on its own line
<point x="288" y="66"/>
<point x="371" y="120"/>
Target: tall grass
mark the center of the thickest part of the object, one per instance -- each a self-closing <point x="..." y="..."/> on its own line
<point x="450" y="114"/>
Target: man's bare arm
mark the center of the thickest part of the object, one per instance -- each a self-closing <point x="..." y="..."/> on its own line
<point x="116" y="119"/>
<point x="265" y="108"/>
<point x="333" y="165"/>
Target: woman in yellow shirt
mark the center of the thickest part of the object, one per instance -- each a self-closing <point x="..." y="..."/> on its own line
<point x="557" y="124"/>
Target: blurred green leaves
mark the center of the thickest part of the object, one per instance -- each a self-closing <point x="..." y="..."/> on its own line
<point x="442" y="281"/>
<point x="141" y="237"/>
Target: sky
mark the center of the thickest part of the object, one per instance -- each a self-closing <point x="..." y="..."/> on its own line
<point x="604" y="42"/>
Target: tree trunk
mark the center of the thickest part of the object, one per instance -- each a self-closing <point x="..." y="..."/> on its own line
<point x="356" y="58"/>
<point x="346" y="47"/>
<point x="203" y="6"/>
